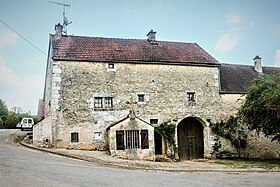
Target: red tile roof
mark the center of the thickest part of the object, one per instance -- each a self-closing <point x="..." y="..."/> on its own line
<point x="113" y="49"/>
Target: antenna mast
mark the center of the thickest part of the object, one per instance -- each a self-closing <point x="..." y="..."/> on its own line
<point x="64" y="19"/>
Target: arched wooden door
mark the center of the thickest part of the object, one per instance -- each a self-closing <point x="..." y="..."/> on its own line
<point x="190" y="139"/>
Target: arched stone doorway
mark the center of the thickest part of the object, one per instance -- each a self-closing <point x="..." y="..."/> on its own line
<point x="190" y="139"/>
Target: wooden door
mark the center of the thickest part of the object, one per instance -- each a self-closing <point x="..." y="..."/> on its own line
<point x="190" y="139"/>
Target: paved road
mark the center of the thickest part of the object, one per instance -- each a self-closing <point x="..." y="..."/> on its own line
<point x="20" y="166"/>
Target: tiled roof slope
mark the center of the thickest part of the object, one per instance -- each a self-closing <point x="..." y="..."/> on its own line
<point x="113" y="49"/>
<point x="238" y="78"/>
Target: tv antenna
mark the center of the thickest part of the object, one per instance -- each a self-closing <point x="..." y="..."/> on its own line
<point x="64" y="19"/>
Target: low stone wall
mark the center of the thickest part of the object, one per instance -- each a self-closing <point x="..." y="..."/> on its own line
<point x="42" y="133"/>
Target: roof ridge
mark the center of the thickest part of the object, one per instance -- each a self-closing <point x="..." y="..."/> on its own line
<point x="101" y="37"/>
<point x="248" y="65"/>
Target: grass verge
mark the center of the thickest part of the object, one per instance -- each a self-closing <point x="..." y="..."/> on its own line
<point x="268" y="164"/>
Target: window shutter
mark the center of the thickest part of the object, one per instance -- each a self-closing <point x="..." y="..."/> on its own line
<point x="120" y="140"/>
<point x="144" y="139"/>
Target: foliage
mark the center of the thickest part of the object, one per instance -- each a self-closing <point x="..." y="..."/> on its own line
<point x="4" y="112"/>
<point x="217" y="146"/>
<point x="261" y="110"/>
<point x="232" y="130"/>
<point x="1" y="123"/>
<point x="12" y="120"/>
<point x="167" y="129"/>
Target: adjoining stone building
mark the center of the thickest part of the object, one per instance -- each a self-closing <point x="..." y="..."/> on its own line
<point x="109" y="94"/>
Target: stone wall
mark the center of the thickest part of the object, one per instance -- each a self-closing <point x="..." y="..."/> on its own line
<point x="165" y="88"/>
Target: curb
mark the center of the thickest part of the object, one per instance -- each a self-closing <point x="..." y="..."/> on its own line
<point x="112" y="164"/>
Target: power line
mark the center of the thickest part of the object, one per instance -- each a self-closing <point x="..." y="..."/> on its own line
<point x="23" y="37"/>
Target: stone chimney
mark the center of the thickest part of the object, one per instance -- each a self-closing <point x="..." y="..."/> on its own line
<point x="58" y="30"/>
<point x="258" y="64"/>
<point x="152" y="36"/>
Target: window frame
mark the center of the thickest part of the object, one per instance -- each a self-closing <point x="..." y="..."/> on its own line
<point x="154" y="119"/>
<point x="132" y="139"/>
<point x="98" y="104"/>
<point x="191" y="96"/>
<point x="140" y="98"/>
<point x="108" y="104"/>
<point x="74" y="137"/>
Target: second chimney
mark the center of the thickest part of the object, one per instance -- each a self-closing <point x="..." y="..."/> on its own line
<point x="258" y="64"/>
<point x="152" y="36"/>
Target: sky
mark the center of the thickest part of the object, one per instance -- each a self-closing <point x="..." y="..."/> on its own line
<point x="231" y="31"/>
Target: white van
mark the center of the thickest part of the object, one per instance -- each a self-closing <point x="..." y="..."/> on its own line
<point x="27" y="123"/>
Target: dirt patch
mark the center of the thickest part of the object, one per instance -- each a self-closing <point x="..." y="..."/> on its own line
<point x="17" y="137"/>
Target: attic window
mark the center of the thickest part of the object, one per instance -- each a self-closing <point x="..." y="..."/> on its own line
<point x="111" y="66"/>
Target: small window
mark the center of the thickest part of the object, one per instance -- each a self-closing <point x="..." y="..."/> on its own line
<point x="141" y="98"/>
<point x="191" y="96"/>
<point x="154" y="121"/>
<point x="98" y="102"/>
<point x="97" y="135"/>
<point x="111" y="66"/>
<point x="74" y="137"/>
<point x="144" y="139"/>
<point x="120" y="139"/>
<point x="108" y="102"/>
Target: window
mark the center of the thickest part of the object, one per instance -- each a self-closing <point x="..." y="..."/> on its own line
<point x="144" y="139"/>
<point x="98" y="102"/>
<point x="191" y="96"/>
<point x="111" y="66"/>
<point x="141" y="98"/>
<point x="154" y="121"/>
<point x="108" y="102"/>
<point x="103" y="102"/>
<point x="129" y="139"/>
<point x="97" y="136"/>
<point x="120" y="140"/>
<point x="132" y="139"/>
<point x="74" y="137"/>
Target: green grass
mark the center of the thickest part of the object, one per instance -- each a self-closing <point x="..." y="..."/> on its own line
<point x="251" y="163"/>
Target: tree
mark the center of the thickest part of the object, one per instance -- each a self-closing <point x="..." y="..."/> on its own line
<point x="12" y="120"/>
<point x="1" y="124"/>
<point x="4" y="112"/>
<point x="261" y="110"/>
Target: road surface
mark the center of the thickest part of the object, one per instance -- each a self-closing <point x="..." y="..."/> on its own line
<point x="20" y="166"/>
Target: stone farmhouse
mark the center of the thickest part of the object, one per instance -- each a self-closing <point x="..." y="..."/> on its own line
<point x="110" y="94"/>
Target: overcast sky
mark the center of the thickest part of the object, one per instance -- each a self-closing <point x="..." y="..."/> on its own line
<point x="231" y="31"/>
